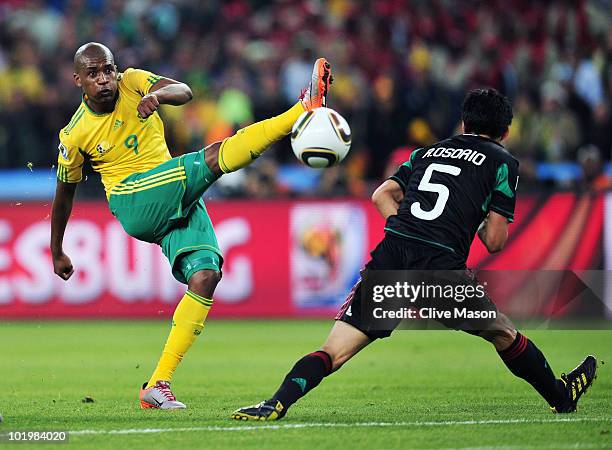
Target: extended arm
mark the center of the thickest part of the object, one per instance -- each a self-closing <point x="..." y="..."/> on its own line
<point x="60" y="213"/>
<point x="493" y="232"/>
<point x="387" y="198"/>
<point x="165" y="92"/>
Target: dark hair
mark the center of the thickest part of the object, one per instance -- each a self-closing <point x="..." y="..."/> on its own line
<point x="486" y="111"/>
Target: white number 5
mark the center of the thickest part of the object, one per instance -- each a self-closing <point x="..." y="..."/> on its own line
<point x="438" y="188"/>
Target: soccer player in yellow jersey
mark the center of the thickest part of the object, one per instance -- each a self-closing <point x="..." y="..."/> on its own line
<point x="157" y="198"/>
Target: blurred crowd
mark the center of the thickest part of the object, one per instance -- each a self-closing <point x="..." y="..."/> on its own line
<point x="401" y="69"/>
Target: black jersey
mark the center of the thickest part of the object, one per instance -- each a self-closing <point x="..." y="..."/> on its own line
<point x="450" y="187"/>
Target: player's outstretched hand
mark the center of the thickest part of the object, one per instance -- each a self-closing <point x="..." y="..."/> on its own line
<point x="62" y="266"/>
<point x="148" y="105"/>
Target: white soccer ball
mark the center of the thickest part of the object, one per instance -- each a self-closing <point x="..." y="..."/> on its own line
<point x="320" y="138"/>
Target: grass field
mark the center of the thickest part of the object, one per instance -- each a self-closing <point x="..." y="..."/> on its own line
<point x="419" y="389"/>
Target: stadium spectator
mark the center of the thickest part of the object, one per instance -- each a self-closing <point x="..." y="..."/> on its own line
<point x="593" y="178"/>
<point x="395" y="61"/>
<point x="558" y="133"/>
<point x="602" y="129"/>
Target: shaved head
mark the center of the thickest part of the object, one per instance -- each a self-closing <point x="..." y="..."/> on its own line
<point x="96" y="74"/>
<point x="89" y="51"/>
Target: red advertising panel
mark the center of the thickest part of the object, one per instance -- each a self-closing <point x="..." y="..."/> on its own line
<point x="282" y="258"/>
<point x="267" y="246"/>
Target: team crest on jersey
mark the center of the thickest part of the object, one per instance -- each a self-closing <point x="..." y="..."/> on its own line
<point x="63" y="151"/>
<point x="104" y="147"/>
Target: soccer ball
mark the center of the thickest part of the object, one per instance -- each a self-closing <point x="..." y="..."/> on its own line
<point x="320" y="138"/>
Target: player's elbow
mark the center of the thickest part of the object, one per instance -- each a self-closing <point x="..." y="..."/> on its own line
<point x="188" y="93"/>
<point x="495" y="248"/>
<point x="379" y="197"/>
<point x="383" y="193"/>
<point x="495" y="235"/>
<point x="181" y="92"/>
<point x="496" y="244"/>
<point x="374" y="197"/>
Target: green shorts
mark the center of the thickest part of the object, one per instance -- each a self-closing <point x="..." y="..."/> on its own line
<point x="164" y="206"/>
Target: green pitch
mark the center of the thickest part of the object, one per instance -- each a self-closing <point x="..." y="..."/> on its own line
<point x="418" y="389"/>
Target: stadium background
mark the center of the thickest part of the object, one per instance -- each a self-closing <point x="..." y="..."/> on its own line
<point x="295" y="238"/>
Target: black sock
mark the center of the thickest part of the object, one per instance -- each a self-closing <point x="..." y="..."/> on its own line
<point x="305" y="375"/>
<point x="526" y="361"/>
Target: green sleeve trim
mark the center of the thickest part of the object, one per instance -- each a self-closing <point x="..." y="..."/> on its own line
<point x="412" y="158"/>
<point x="153" y="79"/>
<point x="501" y="185"/>
<point x="64" y="175"/>
<point x="487" y="202"/>
<point x="60" y="174"/>
<point x="501" y="182"/>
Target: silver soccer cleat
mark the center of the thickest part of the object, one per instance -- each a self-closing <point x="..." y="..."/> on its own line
<point x="159" y="397"/>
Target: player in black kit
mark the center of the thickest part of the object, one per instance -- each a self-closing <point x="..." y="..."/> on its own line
<point x="434" y="205"/>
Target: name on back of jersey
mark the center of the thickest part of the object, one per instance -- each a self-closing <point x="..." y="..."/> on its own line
<point x="466" y="154"/>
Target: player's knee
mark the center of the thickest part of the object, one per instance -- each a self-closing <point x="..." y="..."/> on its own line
<point x="501" y="333"/>
<point x="338" y="356"/>
<point x="204" y="282"/>
<point x="504" y="324"/>
<point x="213" y="149"/>
<point x="504" y="339"/>
<point x="211" y="156"/>
<point x="336" y="359"/>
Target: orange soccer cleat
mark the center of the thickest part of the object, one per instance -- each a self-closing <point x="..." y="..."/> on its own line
<point x="315" y="95"/>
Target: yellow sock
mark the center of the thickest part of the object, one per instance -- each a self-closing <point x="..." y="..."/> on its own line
<point x="250" y="142"/>
<point x="187" y="324"/>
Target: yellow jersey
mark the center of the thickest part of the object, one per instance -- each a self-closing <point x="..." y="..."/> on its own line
<point x="117" y="144"/>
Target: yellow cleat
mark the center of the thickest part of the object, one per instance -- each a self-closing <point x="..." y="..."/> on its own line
<point x="576" y="383"/>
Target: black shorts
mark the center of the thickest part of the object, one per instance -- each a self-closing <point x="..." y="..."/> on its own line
<point x="394" y="253"/>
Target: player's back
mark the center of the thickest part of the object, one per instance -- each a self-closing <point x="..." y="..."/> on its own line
<point x="450" y="187"/>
